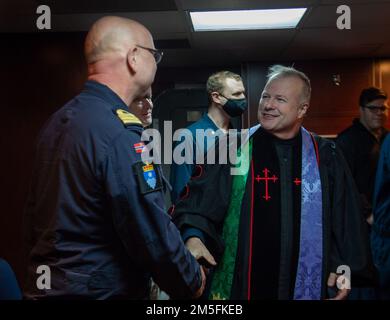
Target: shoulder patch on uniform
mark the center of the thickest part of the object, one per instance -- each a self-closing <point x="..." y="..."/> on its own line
<point x="127" y="117"/>
<point x="148" y="177"/>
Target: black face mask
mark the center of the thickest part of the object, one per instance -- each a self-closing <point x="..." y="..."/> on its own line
<point x="235" y="107"/>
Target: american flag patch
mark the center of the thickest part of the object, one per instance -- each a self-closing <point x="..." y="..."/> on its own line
<point x="138" y="147"/>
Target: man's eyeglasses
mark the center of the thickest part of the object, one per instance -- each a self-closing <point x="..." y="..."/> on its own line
<point x="376" y="109"/>
<point x="157" y="54"/>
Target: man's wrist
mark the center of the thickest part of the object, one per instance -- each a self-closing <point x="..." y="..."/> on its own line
<point x="192" y="233"/>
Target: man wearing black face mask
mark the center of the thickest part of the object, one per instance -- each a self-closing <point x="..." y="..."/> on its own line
<point x="226" y="95"/>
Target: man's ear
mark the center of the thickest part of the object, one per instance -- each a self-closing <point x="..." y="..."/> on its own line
<point x="132" y="59"/>
<point x="303" y="109"/>
<point x="215" y="97"/>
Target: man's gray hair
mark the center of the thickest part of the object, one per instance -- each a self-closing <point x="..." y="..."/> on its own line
<point x="278" y="71"/>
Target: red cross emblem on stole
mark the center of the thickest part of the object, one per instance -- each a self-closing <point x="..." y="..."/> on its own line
<point x="266" y="178"/>
<point x="297" y="182"/>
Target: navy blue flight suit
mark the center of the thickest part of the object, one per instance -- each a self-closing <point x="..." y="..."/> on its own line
<point x="97" y="210"/>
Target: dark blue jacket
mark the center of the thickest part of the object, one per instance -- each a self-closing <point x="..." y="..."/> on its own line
<point x="380" y="241"/>
<point x="97" y="210"/>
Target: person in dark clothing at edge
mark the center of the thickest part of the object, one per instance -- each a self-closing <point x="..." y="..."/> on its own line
<point x="380" y="235"/>
<point x="284" y="226"/>
<point x="95" y="209"/>
<point x="361" y="143"/>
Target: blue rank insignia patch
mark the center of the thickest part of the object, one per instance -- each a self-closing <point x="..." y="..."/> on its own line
<point x="148" y="177"/>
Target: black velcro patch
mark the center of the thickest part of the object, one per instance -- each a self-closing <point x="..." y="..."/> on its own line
<point x="148" y="176"/>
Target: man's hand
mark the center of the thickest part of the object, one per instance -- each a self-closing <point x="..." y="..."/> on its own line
<point x="201" y="289"/>
<point x="342" y="294"/>
<point x="199" y="251"/>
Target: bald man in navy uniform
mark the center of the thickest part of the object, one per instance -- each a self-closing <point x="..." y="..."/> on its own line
<point x="96" y="209"/>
